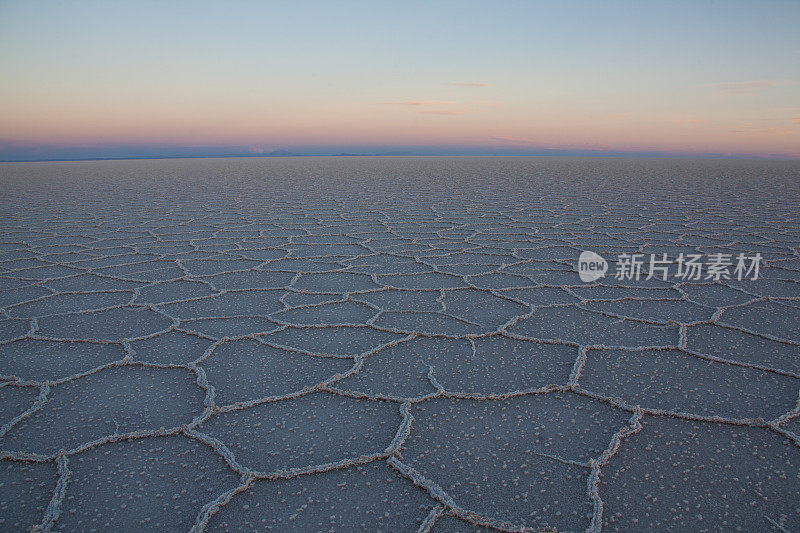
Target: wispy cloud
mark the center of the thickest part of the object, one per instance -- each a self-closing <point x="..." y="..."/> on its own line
<point x="470" y="84"/>
<point x="747" y="87"/>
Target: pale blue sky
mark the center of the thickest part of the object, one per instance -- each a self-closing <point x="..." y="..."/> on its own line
<point x="682" y="77"/>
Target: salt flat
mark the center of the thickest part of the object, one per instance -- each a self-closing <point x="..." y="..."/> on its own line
<point x="396" y="343"/>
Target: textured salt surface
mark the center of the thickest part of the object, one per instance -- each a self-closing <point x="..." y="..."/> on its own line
<point x="395" y="344"/>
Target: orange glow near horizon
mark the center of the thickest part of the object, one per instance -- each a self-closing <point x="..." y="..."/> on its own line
<point x="216" y="79"/>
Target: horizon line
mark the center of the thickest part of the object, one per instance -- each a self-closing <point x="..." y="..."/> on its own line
<point x="586" y="154"/>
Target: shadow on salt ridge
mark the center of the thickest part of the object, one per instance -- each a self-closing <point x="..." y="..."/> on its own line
<point x="236" y="370"/>
<point x="760" y="482"/>
<point x="15" y="401"/>
<point x="491" y="456"/>
<point x="43" y="360"/>
<point x="25" y="493"/>
<point x="173" y="347"/>
<point x="370" y="497"/>
<point x="159" y="483"/>
<point x="117" y="399"/>
<point x="112" y="324"/>
<point x="70" y="303"/>
<point x="735" y="345"/>
<point x="587" y="328"/>
<point x="335" y="341"/>
<point x="328" y="314"/>
<point x="770" y="318"/>
<point x="314" y="429"/>
<point x="251" y="302"/>
<point x="676" y="381"/>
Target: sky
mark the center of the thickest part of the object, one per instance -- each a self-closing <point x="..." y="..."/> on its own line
<point x="84" y="79"/>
